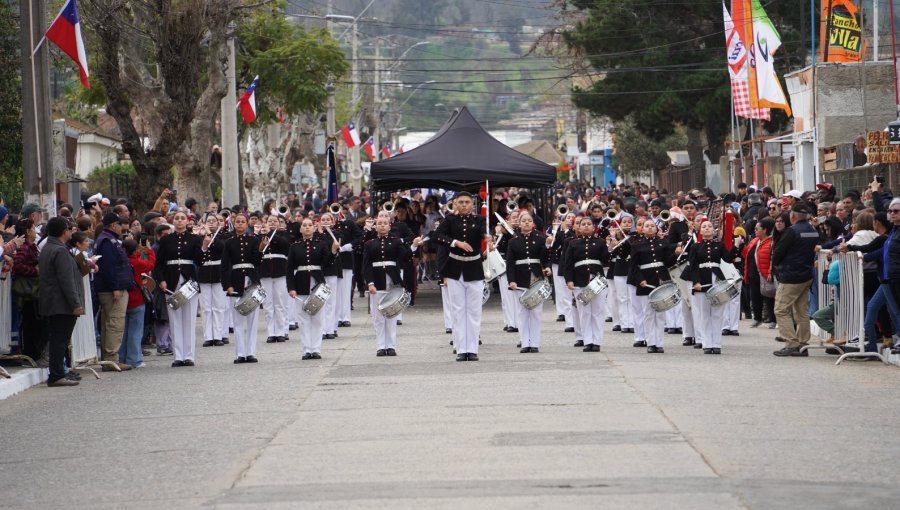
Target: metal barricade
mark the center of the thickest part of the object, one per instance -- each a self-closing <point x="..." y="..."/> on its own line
<point x="850" y="307"/>
<point x="6" y="315"/>
<point x="84" y="336"/>
<point x="826" y="297"/>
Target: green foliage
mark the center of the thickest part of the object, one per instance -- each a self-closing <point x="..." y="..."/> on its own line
<point x="636" y="152"/>
<point x="98" y="181"/>
<point x="11" y="187"/>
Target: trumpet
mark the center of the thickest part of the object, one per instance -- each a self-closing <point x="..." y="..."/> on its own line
<point x="665" y="215"/>
<point x="612" y="214"/>
<point x="388" y="207"/>
<point x="283" y="211"/>
<point x="511" y="207"/>
<point x="449" y="207"/>
<point x="335" y="208"/>
<point x="562" y="210"/>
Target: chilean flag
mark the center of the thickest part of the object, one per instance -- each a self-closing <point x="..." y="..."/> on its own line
<point x="369" y="147"/>
<point x="247" y="102"/>
<point x="65" y="32"/>
<point x="386" y="150"/>
<point x="351" y="135"/>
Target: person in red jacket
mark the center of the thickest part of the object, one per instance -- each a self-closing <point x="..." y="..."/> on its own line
<point x="758" y="268"/>
<point x="142" y="259"/>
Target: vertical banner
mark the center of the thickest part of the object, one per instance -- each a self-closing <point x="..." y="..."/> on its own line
<point x="841" y="35"/>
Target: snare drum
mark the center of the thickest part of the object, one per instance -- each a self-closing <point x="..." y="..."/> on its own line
<point x="184" y="294"/>
<point x="723" y="291"/>
<point x="485" y="294"/>
<point x="494" y="266"/>
<point x="536" y="294"/>
<point x="684" y="286"/>
<point x="252" y="298"/>
<point x="394" y="302"/>
<point x="665" y="297"/>
<point x="594" y="287"/>
<point x="317" y="298"/>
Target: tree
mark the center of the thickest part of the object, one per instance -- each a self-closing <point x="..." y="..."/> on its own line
<point x="11" y="185"/>
<point x="637" y="153"/>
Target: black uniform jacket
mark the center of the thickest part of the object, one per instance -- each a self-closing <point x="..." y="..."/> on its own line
<point x="348" y="232"/>
<point x="334" y="268"/>
<point x="560" y="240"/>
<point x="527" y="247"/>
<point x="210" y="270"/>
<point x="240" y="250"/>
<point x="580" y="249"/>
<point x="186" y="247"/>
<point x="470" y="229"/>
<point x="701" y="254"/>
<point x="384" y="249"/>
<point x="655" y="251"/>
<point x="274" y="259"/>
<point x="308" y="253"/>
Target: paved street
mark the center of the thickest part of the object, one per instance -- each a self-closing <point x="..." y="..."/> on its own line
<point x="559" y="429"/>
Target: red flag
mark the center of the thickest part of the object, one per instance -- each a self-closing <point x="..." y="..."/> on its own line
<point x="386" y="150"/>
<point x="65" y="32"/>
<point x="350" y="135"/>
<point x="369" y="147"/>
<point x="247" y="102"/>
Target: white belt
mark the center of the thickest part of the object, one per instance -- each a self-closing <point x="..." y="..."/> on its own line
<point x="243" y="266"/>
<point x="179" y="262"/>
<point x="586" y="262"/>
<point x="307" y="268"/>
<point x="386" y="263"/>
<point x="651" y="265"/>
<point x="527" y="261"/>
<point x="212" y="263"/>
<point x="465" y="258"/>
<point x="274" y="256"/>
<point x="709" y="264"/>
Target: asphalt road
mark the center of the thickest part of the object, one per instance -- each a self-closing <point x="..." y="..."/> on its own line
<point x="560" y="429"/>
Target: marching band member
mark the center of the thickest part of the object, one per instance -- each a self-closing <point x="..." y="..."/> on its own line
<point x="350" y="234"/>
<point x="703" y="271"/>
<point x="620" y="256"/>
<point x="306" y="260"/>
<point x="274" y="244"/>
<point x="561" y="234"/>
<point x="585" y="257"/>
<point x="333" y="272"/>
<point x="176" y="260"/>
<point x="213" y="301"/>
<point x="650" y="259"/>
<point x="240" y="258"/>
<point x="381" y="259"/>
<point x="463" y="232"/>
<point x="527" y="258"/>
<point x="692" y="237"/>
<point x="508" y="302"/>
<point x="733" y="238"/>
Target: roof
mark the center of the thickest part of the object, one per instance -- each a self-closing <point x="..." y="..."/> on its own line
<point x="541" y="150"/>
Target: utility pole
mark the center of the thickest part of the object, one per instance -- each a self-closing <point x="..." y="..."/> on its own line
<point x="231" y="193"/>
<point x="354" y="73"/>
<point x="37" y="156"/>
<point x="376" y="135"/>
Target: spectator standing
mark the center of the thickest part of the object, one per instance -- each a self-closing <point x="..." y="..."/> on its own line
<point x="114" y="280"/>
<point x="25" y="289"/>
<point x="793" y="258"/>
<point x="142" y="260"/>
<point x="758" y="268"/>
<point x="61" y="297"/>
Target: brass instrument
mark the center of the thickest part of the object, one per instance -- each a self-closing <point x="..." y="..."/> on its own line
<point x="612" y="214"/>
<point x="511" y="207"/>
<point x="335" y="208"/>
<point x="665" y="215"/>
<point x="716" y="214"/>
<point x="562" y="210"/>
<point x="449" y="207"/>
<point x="283" y="211"/>
<point x="388" y="207"/>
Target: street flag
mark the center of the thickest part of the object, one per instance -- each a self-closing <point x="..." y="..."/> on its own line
<point x="386" y="150"/>
<point x="332" y="175"/>
<point x="400" y="150"/>
<point x="65" y="32"/>
<point x="247" y="102"/>
<point x="737" y="70"/>
<point x="766" y="42"/>
<point x="350" y="135"/>
<point x="841" y="39"/>
<point x="369" y="147"/>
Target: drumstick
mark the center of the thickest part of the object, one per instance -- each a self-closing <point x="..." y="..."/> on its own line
<point x="504" y="223"/>
<point x="332" y="235"/>
<point x="269" y="242"/>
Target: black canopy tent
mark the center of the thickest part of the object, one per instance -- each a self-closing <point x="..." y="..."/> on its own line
<point x="461" y="156"/>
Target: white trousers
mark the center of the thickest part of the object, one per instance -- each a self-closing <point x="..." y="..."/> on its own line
<point x="385" y="329"/>
<point x="711" y="318"/>
<point x="563" y="303"/>
<point x="183" y="328"/>
<point x="612" y="303"/>
<point x="687" y="316"/>
<point x="345" y="296"/>
<point x="697" y="317"/>
<point x="637" y="313"/>
<point x="623" y="301"/>
<point x="310" y="327"/>
<point x="445" y="302"/>
<point x="276" y="306"/>
<point x="245" y="331"/>
<point x="465" y="298"/>
<point x="651" y="321"/>
<point x="213" y="308"/>
<point x="591" y="317"/>
<point x="674" y="317"/>
<point x="329" y="321"/>
<point x="507" y="302"/>
<point x="529" y="322"/>
<point x="732" y="311"/>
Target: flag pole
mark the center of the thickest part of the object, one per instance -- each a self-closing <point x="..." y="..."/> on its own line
<point x="36" y="48"/>
<point x="34" y="101"/>
<point x="733" y="139"/>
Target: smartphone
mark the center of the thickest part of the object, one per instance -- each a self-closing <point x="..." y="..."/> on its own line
<point x="879" y="179"/>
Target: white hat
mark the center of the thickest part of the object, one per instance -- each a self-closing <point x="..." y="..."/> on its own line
<point x="794" y="193"/>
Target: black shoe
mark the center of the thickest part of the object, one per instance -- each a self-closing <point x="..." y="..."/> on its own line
<point x="329" y="336"/>
<point x="225" y="341"/>
<point x="454" y="351"/>
<point x="340" y="324"/>
<point x="698" y="346"/>
<point x="688" y="341"/>
<point x="652" y="349"/>
<point x="449" y="331"/>
<point x="791" y="352"/>
<point x="399" y="323"/>
<point x="505" y="328"/>
<point x="334" y="334"/>
<point x="591" y="348"/>
<point x="716" y="350"/>
<point x="293" y="327"/>
<point x="188" y="362"/>
<point x="569" y="330"/>
<point x="270" y="340"/>
<point x="316" y="355"/>
<point x="676" y="331"/>
<point x="239" y="360"/>
<point x="178" y="363"/>
<point x="579" y="343"/>
<point x="666" y="330"/>
<point x="62" y="381"/>
<point x="380" y="353"/>
<point x="707" y="351"/>
<point x="231" y="330"/>
<point x="735" y="332"/>
<point x="627" y="330"/>
<point x="72" y="375"/>
<point x="660" y="350"/>
<point x="617" y="328"/>
<point x="252" y="359"/>
<point x="391" y="352"/>
<point x="218" y="343"/>
<point x="473" y="357"/>
<point x="560" y="318"/>
<point x="462" y="357"/>
<point x="208" y="343"/>
<point x="535" y="349"/>
<point x="639" y="343"/>
<point x="895" y="350"/>
<point x="281" y="339"/>
<point x="451" y="342"/>
<point x="479" y="341"/>
<point x="609" y="319"/>
<point x="512" y="330"/>
<point x="306" y="356"/>
<point x="519" y="345"/>
<point x="726" y="332"/>
<point x="525" y="349"/>
<point x="779" y="339"/>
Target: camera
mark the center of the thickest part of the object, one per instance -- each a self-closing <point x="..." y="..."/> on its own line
<point x="879" y="179"/>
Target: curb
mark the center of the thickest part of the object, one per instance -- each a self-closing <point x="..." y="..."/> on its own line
<point x="22" y="380"/>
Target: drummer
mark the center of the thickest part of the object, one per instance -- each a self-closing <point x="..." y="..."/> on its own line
<point x="306" y="260"/>
<point x="381" y="269"/>
<point x="584" y="259"/>
<point x="274" y="243"/>
<point x="214" y="307"/>
<point x="240" y="259"/>
<point x="704" y="259"/>
<point x="650" y="258"/>
<point x="528" y="260"/>
<point x="177" y="258"/>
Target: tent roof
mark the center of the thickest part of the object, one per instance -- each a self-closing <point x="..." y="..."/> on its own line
<point x="541" y="150"/>
<point x="461" y="156"/>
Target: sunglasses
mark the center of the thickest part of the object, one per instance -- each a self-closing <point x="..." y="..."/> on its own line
<point x="892" y="211"/>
